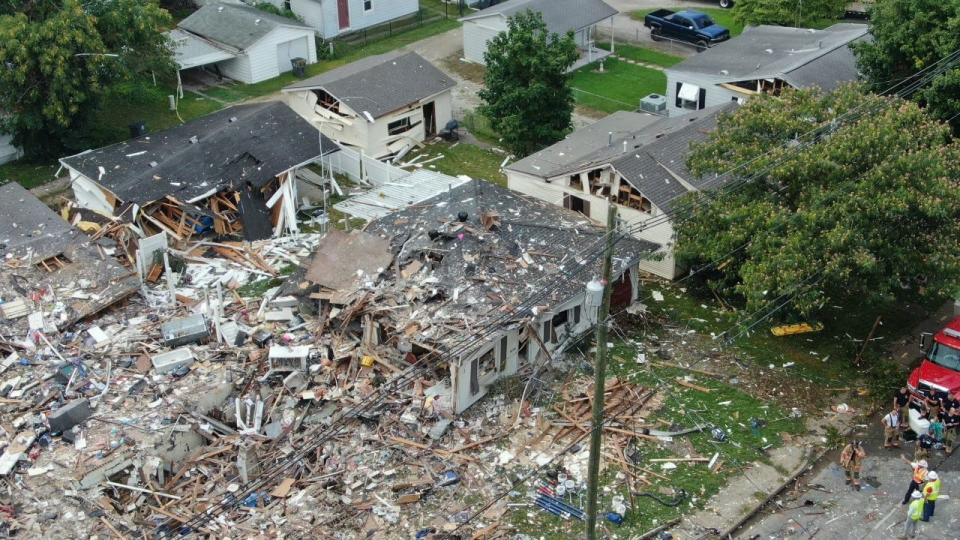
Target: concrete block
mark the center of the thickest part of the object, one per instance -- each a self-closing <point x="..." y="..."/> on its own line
<point x="69" y="415"/>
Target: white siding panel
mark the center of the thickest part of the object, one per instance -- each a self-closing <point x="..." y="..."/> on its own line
<point x="8" y="152"/>
<point x="311" y="11"/>
<point x="288" y="50"/>
<point x="477" y="33"/>
<point x="383" y="11"/>
<point x="237" y="68"/>
<point x="263" y="54"/>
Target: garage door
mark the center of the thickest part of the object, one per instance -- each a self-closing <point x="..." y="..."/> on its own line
<point x="296" y="48"/>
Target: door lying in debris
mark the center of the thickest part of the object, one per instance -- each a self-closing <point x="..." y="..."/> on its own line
<point x="254" y="214"/>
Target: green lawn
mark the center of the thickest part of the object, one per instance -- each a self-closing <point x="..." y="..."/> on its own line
<point x="619" y="87"/>
<point x="642" y="54"/>
<point x="723" y="17"/>
<point x="29" y="174"/>
<point x="464" y="158"/>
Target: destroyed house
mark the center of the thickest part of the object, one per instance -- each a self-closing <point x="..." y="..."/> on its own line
<point x="632" y="160"/>
<point x="382" y="105"/>
<point x="231" y="173"/>
<point x="52" y="274"/>
<point x="433" y="278"/>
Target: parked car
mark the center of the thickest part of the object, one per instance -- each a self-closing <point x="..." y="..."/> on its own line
<point x="690" y="26"/>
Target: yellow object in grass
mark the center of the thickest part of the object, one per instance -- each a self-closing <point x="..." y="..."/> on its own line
<point x="366" y="361"/>
<point x="791" y="329"/>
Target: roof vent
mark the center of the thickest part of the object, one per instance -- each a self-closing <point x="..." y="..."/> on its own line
<point x="153" y="163"/>
<point x="194" y="140"/>
<point x="233" y="119"/>
<point x="768" y="51"/>
<point x="257" y="21"/>
<point x="219" y="9"/>
<point x="724" y="72"/>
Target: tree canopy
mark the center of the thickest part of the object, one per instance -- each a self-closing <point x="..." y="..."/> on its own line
<point x="909" y="36"/>
<point x="526" y="96"/>
<point x="808" y="13"/>
<point x="60" y="56"/>
<point x="870" y="212"/>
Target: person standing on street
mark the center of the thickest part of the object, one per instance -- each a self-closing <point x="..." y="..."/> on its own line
<point x="851" y="459"/>
<point x="891" y="428"/>
<point x="931" y="490"/>
<point x="914" y="512"/>
<point x="918" y="478"/>
<point x="951" y="428"/>
<point x="924" y="444"/>
<point x="901" y="400"/>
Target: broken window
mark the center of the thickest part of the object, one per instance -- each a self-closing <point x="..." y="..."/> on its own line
<point x="575" y="182"/>
<point x="503" y="353"/>
<point x="54" y="263"/>
<point x="576" y="314"/>
<point x="576" y="204"/>
<point x="488" y="363"/>
<point x="474" y="377"/>
<point x="524" y="345"/>
<point x="399" y="126"/>
<point x="597" y="186"/>
<point x="547" y="335"/>
<point x="558" y="320"/>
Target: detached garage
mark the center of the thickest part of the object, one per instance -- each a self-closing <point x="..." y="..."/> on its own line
<point x="241" y="42"/>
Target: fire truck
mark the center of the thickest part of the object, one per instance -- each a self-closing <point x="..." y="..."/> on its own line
<point x="938" y="373"/>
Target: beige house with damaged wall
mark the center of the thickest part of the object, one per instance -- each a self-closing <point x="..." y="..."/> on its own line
<point x="480" y="280"/>
<point x="633" y="160"/>
<point x="381" y="105"/>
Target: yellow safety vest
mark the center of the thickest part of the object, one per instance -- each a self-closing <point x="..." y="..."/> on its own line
<point x="932" y="490"/>
<point x="916" y="509"/>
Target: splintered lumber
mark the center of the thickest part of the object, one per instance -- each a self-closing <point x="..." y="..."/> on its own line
<point x="682" y="382"/>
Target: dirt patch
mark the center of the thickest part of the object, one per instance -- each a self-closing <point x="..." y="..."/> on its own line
<point x="465" y="70"/>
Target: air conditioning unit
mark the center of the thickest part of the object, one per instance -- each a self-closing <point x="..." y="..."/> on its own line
<point x="654" y="103"/>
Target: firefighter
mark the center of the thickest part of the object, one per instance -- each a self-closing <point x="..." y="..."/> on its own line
<point x="931" y="490"/>
<point x="851" y="459"/>
<point x="951" y="425"/>
<point x="918" y="478"/>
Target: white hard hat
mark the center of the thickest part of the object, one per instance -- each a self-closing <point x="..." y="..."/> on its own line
<point x="916" y="495"/>
<point x="932" y="475"/>
<point x="923" y="463"/>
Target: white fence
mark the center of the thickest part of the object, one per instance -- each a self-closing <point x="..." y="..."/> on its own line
<point x="361" y="168"/>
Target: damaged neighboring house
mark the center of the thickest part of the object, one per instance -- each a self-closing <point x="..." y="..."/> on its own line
<point x="764" y="60"/>
<point x="232" y="173"/>
<point x="434" y="277"/>
<point x="636" y="161"/>
<point x="382" y="105"/>
<point x="52" y="274"/>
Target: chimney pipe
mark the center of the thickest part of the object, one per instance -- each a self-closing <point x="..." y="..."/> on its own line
<point x="609" y="138"/>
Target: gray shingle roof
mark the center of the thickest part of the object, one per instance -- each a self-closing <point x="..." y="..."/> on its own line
<point x="380" y="84"/>
<point x="560" y="15"/>
<point x="27" y="226"/>
<point x="654" y="168"/>
<point x="234" y="25"/>
<point x="245" y="143"/>
<point x="776" y="51"/>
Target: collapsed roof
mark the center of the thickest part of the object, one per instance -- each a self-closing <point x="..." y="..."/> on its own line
<point x="225" y="150"/>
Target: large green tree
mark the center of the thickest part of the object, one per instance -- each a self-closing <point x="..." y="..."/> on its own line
<point x="910" y="36"/>
<point x="802" y="14"/>
<point x="526" y="95"/>
<point x="58" y="57"/>
<point x="869" y="212"/>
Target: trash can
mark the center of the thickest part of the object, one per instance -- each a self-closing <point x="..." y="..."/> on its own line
<point x="299" y="66"/>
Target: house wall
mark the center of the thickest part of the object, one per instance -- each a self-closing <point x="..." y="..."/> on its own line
<point x="88" y="194"/>
<point x="355" y="134"/>
<point x="553" y="192"/>
<point x="716" y="95"/>
<point x="8" y="152"/>
<point x="476" y="34"/>
<point x="378" y="138"/>
<point x="324" y="17"/>
<point x="461" y="372"/>
<point x="261" y="62"/>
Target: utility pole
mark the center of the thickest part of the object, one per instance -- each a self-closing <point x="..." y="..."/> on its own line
<point x="599" y="376"/>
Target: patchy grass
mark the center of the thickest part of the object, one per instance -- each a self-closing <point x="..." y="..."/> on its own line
<point x="479" y="125"/>
<point x="29" y="174"/>
<point x="723" y="17"/>
<point x="467" y="70"/>
<point x="723" y="406"/>
<point x="643" y="54"/>
<point x="346" y="54"/>
<point x="463" y="158"/>
<point x="619" y="87"/>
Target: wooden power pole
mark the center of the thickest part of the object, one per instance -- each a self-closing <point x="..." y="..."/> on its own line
<point x="599" y="377"/>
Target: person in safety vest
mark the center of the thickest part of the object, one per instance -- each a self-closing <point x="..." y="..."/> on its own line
<point x="931" y="490"/>
<point x="913" y="515"/>
<point x="851" y="459"/>
<point x="918" y="478"/>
